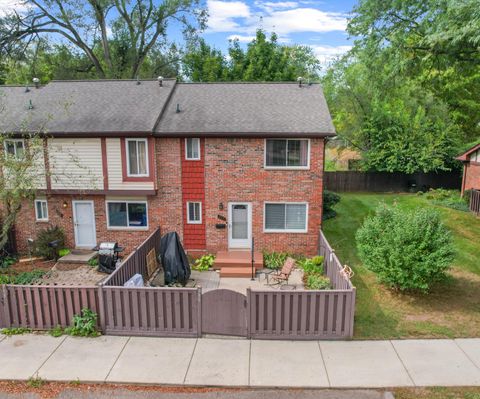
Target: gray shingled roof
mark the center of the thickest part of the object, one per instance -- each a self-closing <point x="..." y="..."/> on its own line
<point x="123" y="106"/>
<point x="246" y="108"/>
<point x="95" y="106"/>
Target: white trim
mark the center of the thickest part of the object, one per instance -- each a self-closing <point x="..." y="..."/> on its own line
<point x="127" y="154"/>
<point x="120" y="201"/>
<point x="37" y="218"/>
<point x="199" y="149"/>
<point x="285" y="167"/>
<point x="93" y="224"/>
<point x="247" y="243"/>
<point x="265" y="230"/>
<point x="188" y="213"/>
<point x="15" y="141"/>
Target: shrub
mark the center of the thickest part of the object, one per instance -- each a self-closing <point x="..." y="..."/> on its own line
<point x="330" y="199"/>
<point x="56" y="331"/>
<point x="93" y="262"/>
<point x="317" y="282"/>
<point x="84" y="325"/>
<point x="274" y="260"/>
<point x="448" y="198"/>
<point x="63" y="252"/>
<point x="408" y="250"/>
<point x="204" y="263"/>
<point x="7" y="261"/>
<point x="24" y="278"/>
<point x="312" y="266"/>
<point x="44" y="237"/>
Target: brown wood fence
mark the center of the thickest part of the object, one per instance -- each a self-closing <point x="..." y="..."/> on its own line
<point x="386" y="182"/>
<point x="177" y="312"/>
<point x="42" y="307"/>
<point x="475" y="201"/>
<point x="136" y="262"/>
<point x="151" y="311"/>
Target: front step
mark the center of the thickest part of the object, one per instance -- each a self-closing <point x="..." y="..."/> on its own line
<point x="235" y="272"/>
<point x="238" y="259"/>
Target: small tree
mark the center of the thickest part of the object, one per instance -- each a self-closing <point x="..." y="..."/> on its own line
<point x="408" y="250"/>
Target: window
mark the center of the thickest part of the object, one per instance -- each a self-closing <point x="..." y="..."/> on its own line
<point x="15" y="148"/>
<point x="192" y="148"/>
<point x="41" y="210"/>
<point x="287" y="153"/>
<point x="126" y="214"/>
<point x="194" y="212"/>
<point x="286" y="217"/>
<point x="137" y="154"/>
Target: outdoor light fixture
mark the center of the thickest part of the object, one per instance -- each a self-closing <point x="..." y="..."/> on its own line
<point x="220" y="206"/>
<point x="65" y="205"/>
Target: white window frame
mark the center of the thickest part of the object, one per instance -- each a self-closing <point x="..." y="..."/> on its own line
<point x="286" y="167"/>
<point x="127" y="157"/>
<point x="189" y="221"/>
<point x="265" y="230"/>
<point x="44" y="218"/>
<point x="119" y="201"/>
<point x="197" y="140"/>
<point x="15" y="142"/>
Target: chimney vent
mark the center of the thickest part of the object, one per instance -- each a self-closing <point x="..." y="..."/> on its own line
<point x="138" y="80"/>
<point x="27" y="89"/>
<point x="178" y="108"/>
<point x="36" y="82"/>
<point x="300" y="81"/>
<point x="160" y="80"/>
<point x="30" y="104"/>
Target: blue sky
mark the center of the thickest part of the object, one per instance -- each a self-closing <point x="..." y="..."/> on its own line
<point x="318" y="23"/>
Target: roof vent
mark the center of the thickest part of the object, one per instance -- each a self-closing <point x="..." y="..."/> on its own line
<point x="30" y="104"/>
<point x="178" y="108"/>
<point x="160" y="80"/>
<point x="27" y="89"/>
<point x="138" y="80"/>
<point x="300" y="81"/>
<point x="36" y="82"/>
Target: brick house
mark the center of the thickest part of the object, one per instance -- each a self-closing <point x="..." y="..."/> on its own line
<point x="471" y="168"/>
<point x="219" y="163"/>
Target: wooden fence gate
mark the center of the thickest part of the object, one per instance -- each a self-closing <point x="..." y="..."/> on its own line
<point x="224" y="312"/>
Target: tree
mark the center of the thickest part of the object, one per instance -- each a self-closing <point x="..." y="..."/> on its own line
<point x="138" y="29"/>
<point x="203" y="63"/>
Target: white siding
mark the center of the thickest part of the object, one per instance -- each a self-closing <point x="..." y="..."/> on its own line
<point x="475" y="157"/>
<point x="114" y="165"/>
<point x="76" y="164"/>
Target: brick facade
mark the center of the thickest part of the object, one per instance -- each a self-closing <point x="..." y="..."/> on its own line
<point x="231" y="170"/>
<point x="472" y="176"/>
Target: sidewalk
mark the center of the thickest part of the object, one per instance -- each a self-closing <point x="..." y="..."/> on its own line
<point x="242" y="363"/>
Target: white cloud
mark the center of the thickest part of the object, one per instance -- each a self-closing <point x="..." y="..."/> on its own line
<point x="7" y="6"/>
<point x="327" y="54"/>
<point x="270" y="6"/>
<point x="223" y="15"/>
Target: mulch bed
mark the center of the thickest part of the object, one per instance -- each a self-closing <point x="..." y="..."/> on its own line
<point x="29" y="266"/>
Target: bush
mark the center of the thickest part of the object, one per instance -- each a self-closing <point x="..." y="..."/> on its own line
<point x="274" y="260"/>
<point x="449" y="199"/>
<point x="63" y="252"/>
<point x="317" y="282"/>
<point x="24" y="278"/>
<point x="84" y="325"/>
<point x="330" y="199"/>
<point x="204" y="263"/>
<point x="312" y="266"/>
<point x="7" y="261"/>
<point x="44" y="237"/>
<point x="408" y="250"/>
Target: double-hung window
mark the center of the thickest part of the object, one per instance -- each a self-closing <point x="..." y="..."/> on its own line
<point x="194" y="212"/>
<point x="287" y="153"/>
<point x="137" y="154"/>
<point x="286" y="217"/>
<point x="41" y="210"/>
<point x="127" y="214"/>
<point x="14" y="147"/>
<point x="192" y="149"/>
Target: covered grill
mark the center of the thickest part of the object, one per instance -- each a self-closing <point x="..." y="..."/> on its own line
<point x="108" y="256"/>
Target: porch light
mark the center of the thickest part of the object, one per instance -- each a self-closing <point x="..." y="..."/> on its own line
<point x="65" y="204"/>
<point x="220" y="206"/>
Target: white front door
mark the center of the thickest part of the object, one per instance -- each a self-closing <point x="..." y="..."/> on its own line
<point x="239" y="225"/>
<point x="84" y="224"/>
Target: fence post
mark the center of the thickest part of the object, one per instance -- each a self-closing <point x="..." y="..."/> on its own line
<point x="199" y="312"/>
<point x="352" y="312"/>
<point x="3" y="299"/>
<point x="101" y="308"/>
<point x="249" y="296"/>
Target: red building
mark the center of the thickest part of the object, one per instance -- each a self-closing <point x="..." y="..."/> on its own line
<point x="471" y="168"/>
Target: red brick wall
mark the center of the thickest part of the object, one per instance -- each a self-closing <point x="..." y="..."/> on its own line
<point x="235" y="172"/>
<point x="193" y="190"/>
<point x="472" y="175"/>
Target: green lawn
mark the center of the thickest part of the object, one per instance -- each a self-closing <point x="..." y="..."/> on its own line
<point x="452" y="309"/>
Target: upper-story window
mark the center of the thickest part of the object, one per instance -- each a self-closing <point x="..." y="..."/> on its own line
<point x="192" y="149"/>
<point x="137" y="154"/>
<point x="15" y="148"/>
<point x="287" y="153"/>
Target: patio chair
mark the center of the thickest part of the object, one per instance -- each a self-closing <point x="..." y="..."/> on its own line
<point x="282" y="276"/>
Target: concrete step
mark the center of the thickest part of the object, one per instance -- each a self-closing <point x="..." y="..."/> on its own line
<point x="235" y="272"/>
<point x="236" y="259"/>
<point x="235" y="264"/>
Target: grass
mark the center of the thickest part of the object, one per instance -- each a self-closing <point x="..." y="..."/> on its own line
<point x="437" y="393"/>
<point x="451" y="308"/>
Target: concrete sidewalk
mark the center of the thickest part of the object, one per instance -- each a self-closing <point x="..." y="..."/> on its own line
<point x="242" y="363"/>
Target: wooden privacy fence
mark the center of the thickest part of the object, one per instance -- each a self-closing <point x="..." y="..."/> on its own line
<point x="187" y="312"/>
<point x="136" y="262"/>
<point x="475" y="201"/>
<point x="385" y="181"/>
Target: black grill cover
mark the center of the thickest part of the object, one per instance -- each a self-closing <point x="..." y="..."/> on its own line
<point x="174" y="260"/>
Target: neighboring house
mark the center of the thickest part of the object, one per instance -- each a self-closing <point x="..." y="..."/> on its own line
<point x="219" y="163"/>
<point x="471" y="168"/>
